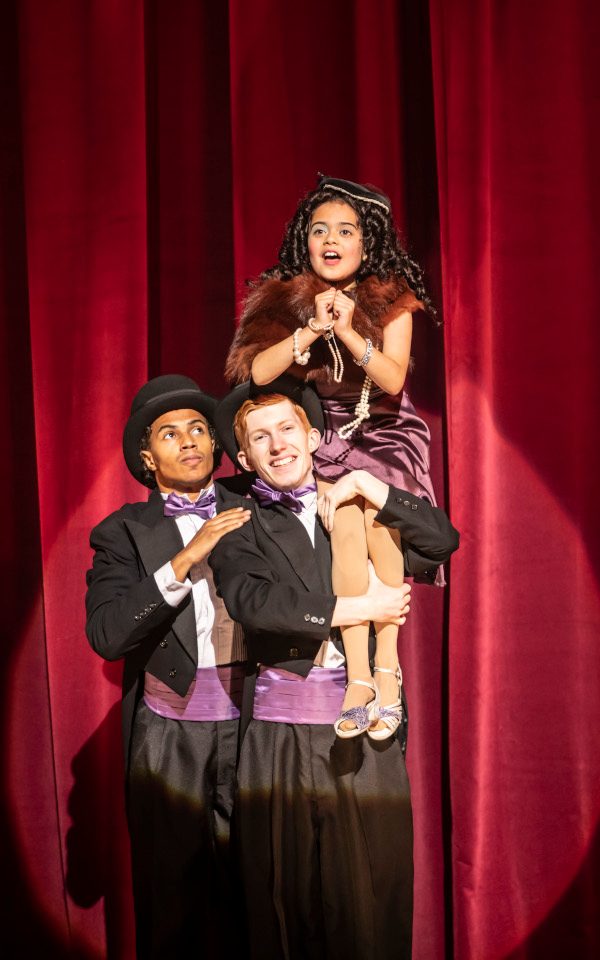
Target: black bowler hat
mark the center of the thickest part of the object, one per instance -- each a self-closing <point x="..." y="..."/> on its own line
<point x="169" y="392"/>
<point x="295" y="390"/>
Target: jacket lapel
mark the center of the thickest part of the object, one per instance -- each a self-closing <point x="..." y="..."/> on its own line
<point x="157" y="540"/>
<point x="291" y="538"/>
<point x="323" y="554"/>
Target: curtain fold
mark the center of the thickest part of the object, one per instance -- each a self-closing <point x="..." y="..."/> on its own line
<point x="27" y="758"/>
<point x="191" y="309"/>
<point x="82" y="116"/>
<point x="516" y="95"/>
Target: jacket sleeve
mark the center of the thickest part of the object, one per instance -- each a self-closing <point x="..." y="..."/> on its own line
<point x="124" y="606"/>
<point x="261" y="599"/>
<point x="428" y="537"/>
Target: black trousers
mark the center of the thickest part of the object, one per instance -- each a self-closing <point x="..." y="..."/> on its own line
<point x="325" y="838"/>
<point x="180" y="801"/>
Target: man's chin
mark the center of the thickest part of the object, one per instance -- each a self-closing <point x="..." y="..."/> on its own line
<point x="285" y="483"/>
<point x="193" y="483"/>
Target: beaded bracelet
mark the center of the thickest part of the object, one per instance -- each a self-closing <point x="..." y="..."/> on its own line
<point x="300" y="358"/>
<point x="366" y="355"/>
<point x="314" y="326"/>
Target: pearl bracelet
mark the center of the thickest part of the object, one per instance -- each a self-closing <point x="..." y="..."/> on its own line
<point x="366" y="355"/>
<point x="314" y="326"/>
<point x="301" y="358"/>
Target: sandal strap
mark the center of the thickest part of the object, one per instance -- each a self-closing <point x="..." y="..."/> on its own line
<point x="397" y="673"/>
<point x="391" y="721"/>
<point x="392" y="710"/>
<point x="363" y="683"/>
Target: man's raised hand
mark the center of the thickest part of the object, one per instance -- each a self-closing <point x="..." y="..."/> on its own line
<point x="207" y="538"/>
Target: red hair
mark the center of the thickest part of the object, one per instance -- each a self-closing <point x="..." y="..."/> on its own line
<point x="240" y="427"/>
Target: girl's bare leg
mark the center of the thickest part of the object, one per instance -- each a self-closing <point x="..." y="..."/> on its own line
<point x="350" y="578"/>
<point x="386" y="556"/>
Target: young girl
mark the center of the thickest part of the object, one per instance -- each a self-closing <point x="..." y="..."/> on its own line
<point x="337" y="309"/>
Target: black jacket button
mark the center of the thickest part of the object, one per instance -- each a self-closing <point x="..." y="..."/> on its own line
<point x="164" y="643"/>
<point x="173" y="673"/>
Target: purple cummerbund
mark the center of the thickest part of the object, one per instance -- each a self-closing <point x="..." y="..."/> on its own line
<point x="284" y="697"/>
<point x="215" y="694"/>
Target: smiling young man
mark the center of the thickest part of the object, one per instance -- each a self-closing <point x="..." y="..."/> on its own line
<point x="324" y="824"/>
<point x="151" y="601"/>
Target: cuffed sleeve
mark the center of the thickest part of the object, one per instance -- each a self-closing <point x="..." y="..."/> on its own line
<point x="172" y="589"/>
<point x="428" y="537"/>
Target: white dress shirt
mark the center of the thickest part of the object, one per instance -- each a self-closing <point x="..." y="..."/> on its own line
<point x="220" y="640"/>
<point x="327" y="655"/>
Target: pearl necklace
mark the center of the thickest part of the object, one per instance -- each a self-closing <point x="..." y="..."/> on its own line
<point x="362" y="409"/>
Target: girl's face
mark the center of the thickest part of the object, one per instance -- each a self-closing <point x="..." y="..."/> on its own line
<point x="335" y="243"/>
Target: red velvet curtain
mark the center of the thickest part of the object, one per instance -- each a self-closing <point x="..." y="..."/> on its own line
<point x="150" y="155"/>
<point x="517" y="89"/>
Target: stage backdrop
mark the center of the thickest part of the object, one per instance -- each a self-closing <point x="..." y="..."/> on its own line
<point x="150" y="155"/>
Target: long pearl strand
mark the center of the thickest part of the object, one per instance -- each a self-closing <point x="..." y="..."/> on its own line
<point x="362" y="411"/>
<point x="338" y="363"/>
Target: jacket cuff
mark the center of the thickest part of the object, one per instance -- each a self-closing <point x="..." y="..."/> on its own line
<point x="398" y="502"/>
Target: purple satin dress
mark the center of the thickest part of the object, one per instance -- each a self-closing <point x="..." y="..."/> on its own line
<point x="393" y="444"/>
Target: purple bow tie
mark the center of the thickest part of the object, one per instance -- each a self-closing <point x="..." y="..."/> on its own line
<point x="176" y="506"/>
<point x="267" y="495"/>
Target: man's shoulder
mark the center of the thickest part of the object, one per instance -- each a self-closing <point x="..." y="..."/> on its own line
<point x="128" y="511"/>
<point x="233" y="491"/>
<point x="237" y="485"/>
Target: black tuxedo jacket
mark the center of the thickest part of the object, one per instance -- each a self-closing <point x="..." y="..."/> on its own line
<point x="279" y="588"/>
<point x="127" y="615"/>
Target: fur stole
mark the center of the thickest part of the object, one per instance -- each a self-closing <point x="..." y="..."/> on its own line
<point x="275" y="308"/>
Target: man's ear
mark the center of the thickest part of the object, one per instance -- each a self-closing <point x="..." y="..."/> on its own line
<point x="314" y="439"/>
<point x="244" y="462"/>
<point x="148" y="460"/>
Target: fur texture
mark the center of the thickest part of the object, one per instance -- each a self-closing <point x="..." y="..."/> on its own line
<point x="275" y="308"/>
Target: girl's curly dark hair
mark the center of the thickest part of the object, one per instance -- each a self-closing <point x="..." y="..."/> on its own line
<point x="385" y="257"/>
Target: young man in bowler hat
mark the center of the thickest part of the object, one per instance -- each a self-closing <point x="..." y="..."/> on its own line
<point x="324" y="823"/>
<point x="151" y="601"/>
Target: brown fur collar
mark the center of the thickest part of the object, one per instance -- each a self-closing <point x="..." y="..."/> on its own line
<point x="275" y="308"/>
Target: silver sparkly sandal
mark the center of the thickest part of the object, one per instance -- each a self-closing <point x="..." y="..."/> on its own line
<point x="363" y="717"/>
<point x="391" y="715"/>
